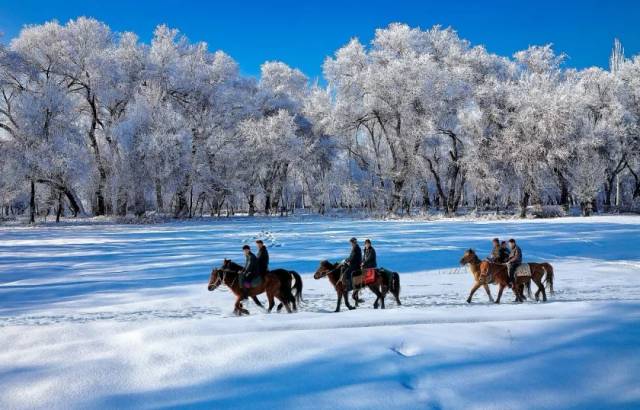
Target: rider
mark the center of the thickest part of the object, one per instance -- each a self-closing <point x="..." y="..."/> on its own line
<point x="496" y="252"/>
<point x="515" y="259"/>
<point x="505" y="251"/>
<point x="352" y="263"/>
<point x="250" y="268"/>
<point x="369" y="259"/>
<point x="263" y="258"/>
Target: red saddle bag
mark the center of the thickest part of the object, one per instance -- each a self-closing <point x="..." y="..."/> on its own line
<point x="369" y="276"/>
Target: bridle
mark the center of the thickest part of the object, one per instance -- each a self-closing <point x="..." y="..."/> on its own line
<point x="326" y="272"/>
<point x="222" y="277"/>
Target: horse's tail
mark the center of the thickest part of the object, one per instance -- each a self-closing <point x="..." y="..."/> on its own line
<point x="549" y="278"/>
<point x="297" y="286"/>
<point x="395" y="283"/>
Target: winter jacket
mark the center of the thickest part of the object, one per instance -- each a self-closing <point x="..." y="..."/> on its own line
<point x="496" y="254"/>
<point x="515" y="257"/>
<point x="250" y="264"/>
<point x="263" y="260"/>
<point x="369" y="260"/>
<point x="355" y="258"/>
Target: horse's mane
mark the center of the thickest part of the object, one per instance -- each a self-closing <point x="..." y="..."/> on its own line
<point x="228" y="263"/>
<point x="328" y="264"/>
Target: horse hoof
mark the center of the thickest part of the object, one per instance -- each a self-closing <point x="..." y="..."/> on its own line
<point x="496" y="302"/>
<point x="468" y="300"/>
<point x="351" y="308"/>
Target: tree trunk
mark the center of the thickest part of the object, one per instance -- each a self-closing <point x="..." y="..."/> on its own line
<point x="523" y="204"/>
<point x="159" y="200"/>
<point x="267" y="204"/>
<point x="59" y="213"/>
<point x="252" y="204"/>
<point x="564" y="189"/>
<point x="32" y="203"/>
<point x="121" y="201"/>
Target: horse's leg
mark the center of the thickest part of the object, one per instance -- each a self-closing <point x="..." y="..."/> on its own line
<point x="339" y="300"/>
<point x="355" y="297"/>
<point x="285" y="302"/>
<point x="257" y="301"/>
<point x="473" y="290"/>
<point x="377" y="290"/>
<point x="486" y="288"/>
<point x="540" y="286"/>
<point x="271" y="302"/>
<point x="346" y="301"/>
<point x="500" y="293"/>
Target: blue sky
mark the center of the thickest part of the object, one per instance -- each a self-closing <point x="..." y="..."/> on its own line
<point x="303" y="33"/>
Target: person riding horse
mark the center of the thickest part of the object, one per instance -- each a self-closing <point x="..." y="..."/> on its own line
<point x="499" y="254"/>
<point x="351" y="264"/>
<point x="263" y="258"/>
<point x="369" y="261"/>
<point x="249" y="270"/>
<point x="515" y="259"/>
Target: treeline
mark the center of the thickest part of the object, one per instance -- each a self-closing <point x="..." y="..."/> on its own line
<point x="94" y="122"/>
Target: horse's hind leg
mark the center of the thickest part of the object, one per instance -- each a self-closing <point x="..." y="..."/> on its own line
<point x="271" y="302"/>
<point x="257" y="301"/>
<point x="540" y="286"/>
<point x="284" y="302"/>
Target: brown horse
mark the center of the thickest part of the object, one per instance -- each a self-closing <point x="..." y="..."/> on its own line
<point x="332" y="271"/>
<point x="270" y="284"/>
<point x="287" y="278"/>
<point x="485" y="272"/>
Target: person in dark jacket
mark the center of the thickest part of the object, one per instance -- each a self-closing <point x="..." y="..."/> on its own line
<point x="504" y="251"/>
<point x="352" y="263"/>
<point x="250" y="269"/>
<point x="263" y="258"/>
<point x="515" y="259"/>
<point x="369" y="259"/>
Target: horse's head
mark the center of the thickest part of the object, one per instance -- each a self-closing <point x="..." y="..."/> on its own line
<point x="216" y="279"/>
<point x="324" y="269"/>
<point x="468" y="257"/>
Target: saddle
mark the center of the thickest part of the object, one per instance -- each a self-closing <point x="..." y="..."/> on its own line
<point x="523" y="270"/>
<point x="253" y="281"/>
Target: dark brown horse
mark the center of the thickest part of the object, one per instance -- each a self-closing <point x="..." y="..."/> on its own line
<point x="332" y="271"/>
<point x="290" y="280"/>
<point x="270" y="285"/>
<point x="386" y="285"/>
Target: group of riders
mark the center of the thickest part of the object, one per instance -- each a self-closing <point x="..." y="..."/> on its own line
<point x="505" y="252"/>
<point x="356" y="262"/>
<point x="510" y="255"/>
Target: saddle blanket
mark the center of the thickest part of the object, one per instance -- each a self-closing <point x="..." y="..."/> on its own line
<point x="253" y="282"/>
<point x="523" y="270"/>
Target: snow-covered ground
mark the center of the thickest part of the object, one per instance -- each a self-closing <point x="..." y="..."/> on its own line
<point x="113" y="316"/>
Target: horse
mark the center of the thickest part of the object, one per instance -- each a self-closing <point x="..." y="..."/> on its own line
<point x="270" y="284"/>
<point x="287" y="277"/>
<point x="485" y="272"/>
<point x="386" y="286"/>
<point x="332" y="271"/>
